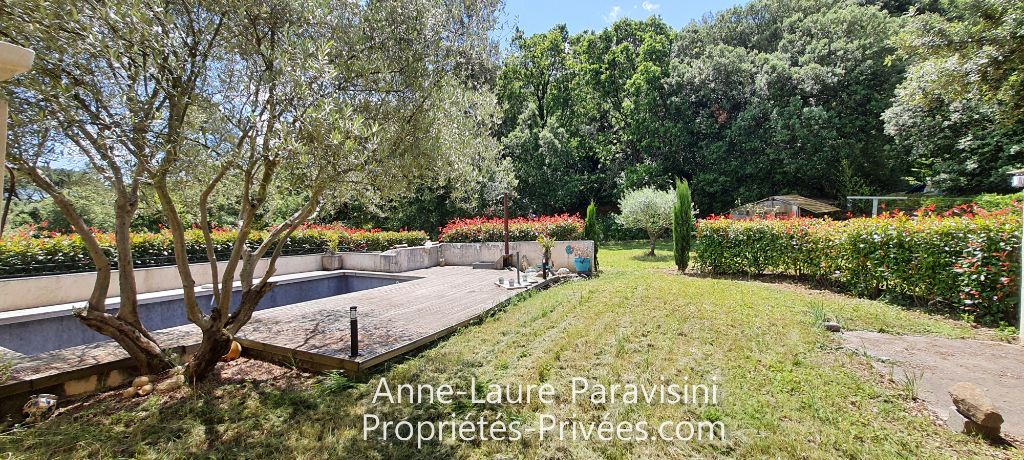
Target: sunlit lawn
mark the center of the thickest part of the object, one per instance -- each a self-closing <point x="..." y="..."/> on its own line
<point x="788" y="390"/>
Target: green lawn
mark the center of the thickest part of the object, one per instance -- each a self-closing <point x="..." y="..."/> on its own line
<point x="787" y="390"/>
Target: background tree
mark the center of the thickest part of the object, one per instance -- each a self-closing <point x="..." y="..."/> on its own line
<point x="649" y="209"/>
<point x="960" y="110"/>
<point x="682" y="224"/>
<point x="289" y="104"/>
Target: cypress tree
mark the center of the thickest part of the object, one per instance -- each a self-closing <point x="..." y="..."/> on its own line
<point x="682" y="224"/>
<point x="590" y="230"/>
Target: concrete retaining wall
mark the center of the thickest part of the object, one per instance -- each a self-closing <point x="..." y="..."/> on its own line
<point x="530" y="252"/>
<point x="38" y="291"/>
<point x="22" y="293"/>
<point x="392" y="261"/>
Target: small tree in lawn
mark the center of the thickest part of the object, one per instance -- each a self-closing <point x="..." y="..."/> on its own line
<point x="590" y="229"/>
<point x="682" y="224"/>
<point x="648" y="209"/>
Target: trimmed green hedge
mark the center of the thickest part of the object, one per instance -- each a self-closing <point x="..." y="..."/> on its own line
<point x="968" y="263"/>
<point x="33" y="252"/>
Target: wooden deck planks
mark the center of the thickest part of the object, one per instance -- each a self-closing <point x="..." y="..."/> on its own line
<point x="393" y="320"/>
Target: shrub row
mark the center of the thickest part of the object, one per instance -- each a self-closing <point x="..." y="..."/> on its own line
<point x="561" y="227"/>
<point x="32" y="251"/>
<point x="968" y="263"/>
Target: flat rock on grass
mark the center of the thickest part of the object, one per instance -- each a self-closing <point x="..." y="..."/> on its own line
<point x="997" y="368"/>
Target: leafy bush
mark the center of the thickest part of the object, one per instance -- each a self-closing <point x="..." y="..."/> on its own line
<point x="561" y="227"/>
<point x="33" y="251"/>
<point x="965" y="262"/>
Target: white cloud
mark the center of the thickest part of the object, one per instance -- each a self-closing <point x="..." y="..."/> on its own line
<point x="613" y="14"/>
<point x="650" y="6"/>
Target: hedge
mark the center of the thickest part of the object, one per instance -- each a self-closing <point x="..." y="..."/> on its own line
<point x="562" y="227"/>
<point x="965" y="262"/>
<point x="31" y="251"/>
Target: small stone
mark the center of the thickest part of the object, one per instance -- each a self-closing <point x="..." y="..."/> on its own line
<point x="146" y="389"/>
<point x="178" y="370"/>
<point x="140" y="381"/>
<point x="832" y="327"/>
<point x="218" y="393"/>
<point x="973" y="404"/>
<point x="562" y="271"/>
<point x="956" y="420"/>
<point x="170" y="384"/>
<point x="130" y="392"/>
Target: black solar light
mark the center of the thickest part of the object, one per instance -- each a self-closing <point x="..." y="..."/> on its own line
<point x="353" y="322"/>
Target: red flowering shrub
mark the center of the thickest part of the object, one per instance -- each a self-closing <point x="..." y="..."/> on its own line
<point x="561" y="227"/>
<point x="33" y="250"/>
<point x="967" y="259"/>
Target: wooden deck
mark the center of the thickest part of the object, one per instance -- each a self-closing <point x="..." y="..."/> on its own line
<point x="393" y="320"/>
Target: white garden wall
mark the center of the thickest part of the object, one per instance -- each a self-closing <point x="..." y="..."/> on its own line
<point x="38" y="291"/>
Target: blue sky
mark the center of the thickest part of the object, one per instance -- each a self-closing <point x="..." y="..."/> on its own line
<point x="535" y="16"/>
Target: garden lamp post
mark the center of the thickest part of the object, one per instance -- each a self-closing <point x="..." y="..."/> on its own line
<point x="1017" y="181"/>
<point x="14" y="61"/>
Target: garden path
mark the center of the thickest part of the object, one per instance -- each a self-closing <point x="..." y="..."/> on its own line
<point x="997" y="368"/>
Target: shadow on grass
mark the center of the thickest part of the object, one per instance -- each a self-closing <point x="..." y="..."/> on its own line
<point x="657" y="258"/>
<point x="906" y="302"/>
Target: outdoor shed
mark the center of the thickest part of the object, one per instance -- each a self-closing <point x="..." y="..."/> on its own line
<point x="783" y="205"/>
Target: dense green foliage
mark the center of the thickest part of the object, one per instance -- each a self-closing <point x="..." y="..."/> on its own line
<point x="964" y="264"/>
<point x="37" y="252"/>
<point x="771" y="97"/>
<point x="562" y="227"/>
<point x="591" y="231"/>
<point x="682" y="225"/>
<point x="960" y="110"/>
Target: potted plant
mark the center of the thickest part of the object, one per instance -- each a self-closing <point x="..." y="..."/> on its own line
<point x="331" y="259"/>
<point x="582" y="259"/>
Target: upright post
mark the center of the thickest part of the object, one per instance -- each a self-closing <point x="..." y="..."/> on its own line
<point x="505" y="206"/>
<point x="353" y="323"/>
<point x="519" y="278"/>
<point x="1020" y="306"/>
<point x="3" y="142"/>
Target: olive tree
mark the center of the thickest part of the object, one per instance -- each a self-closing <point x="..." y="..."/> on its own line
<point x="322" y="101"/>
<point x="648" y="209"/>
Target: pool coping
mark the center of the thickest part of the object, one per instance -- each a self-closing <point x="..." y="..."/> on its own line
<point x="51" y="311"/>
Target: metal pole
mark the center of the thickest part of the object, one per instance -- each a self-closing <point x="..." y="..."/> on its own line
<point x="505" y="199"/>
<point x="1020" y="307"/>
<point x="3" y="140"/>
<point x="353" y="322"/>
<point x="874" y="207"/>
<point x="519" y="278"/>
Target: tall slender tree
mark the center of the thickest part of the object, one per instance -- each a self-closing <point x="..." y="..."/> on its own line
<point x="682" y="224"/>
<point x="591" y="230"/>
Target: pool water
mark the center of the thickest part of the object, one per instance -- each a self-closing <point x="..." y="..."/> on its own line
<point x="54" y="333"/>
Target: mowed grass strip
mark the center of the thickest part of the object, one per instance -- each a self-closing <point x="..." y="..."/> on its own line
<point x="786" y="389"/>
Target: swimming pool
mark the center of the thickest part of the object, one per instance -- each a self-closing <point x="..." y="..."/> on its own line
<point x="35" y="334"/>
